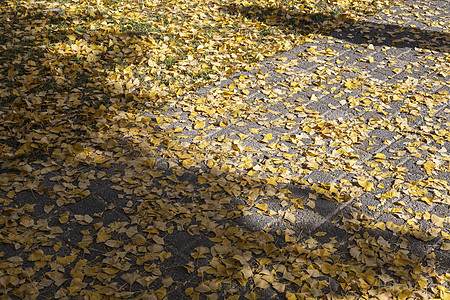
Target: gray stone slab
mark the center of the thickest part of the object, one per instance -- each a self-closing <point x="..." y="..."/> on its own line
<point x="306" y="221"/>
<point x="258" y="220"/>
<point x="415" y="171"/>
<point x="87" y="206"/>
<point x="327" y="232"/>
<point x="339" y="115"/>
<point x="324" y="106"/>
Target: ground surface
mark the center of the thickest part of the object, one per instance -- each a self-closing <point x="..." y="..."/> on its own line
<point x="171" y="158"/>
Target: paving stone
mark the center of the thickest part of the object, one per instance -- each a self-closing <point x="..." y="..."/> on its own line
<point x="415" y="246"/>
<point x="27" y="197"/>
<point x="114" y="215"/>
<point x="415" y="172"/>
<point x="174" y="266"/>
<point x="372" y="205"/>
<point x="306" y="221"/>
<point x="332" y="232"/>
<point x="321" y="177"/>
<point x="339" y="115"/>
<point x="88" y="206"/>
<point x="442" y="261"/>
<point x="324" y="105"/>
<point x="378" y="140"/>
<point x="259" y="221"/>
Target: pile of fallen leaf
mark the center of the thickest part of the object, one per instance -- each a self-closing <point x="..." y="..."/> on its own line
<point x="102" y="93"/>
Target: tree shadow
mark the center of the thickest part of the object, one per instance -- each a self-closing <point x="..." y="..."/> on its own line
<point x="345" y="28"/>
<point x="74" y="80"/>
<point x="393" y="35"/>
<point x="293" y="21"/>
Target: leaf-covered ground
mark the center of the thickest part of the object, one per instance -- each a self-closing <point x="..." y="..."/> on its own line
<point x="158" y="150"/>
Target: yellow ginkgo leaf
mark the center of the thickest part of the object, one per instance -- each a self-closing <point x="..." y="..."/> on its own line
<point x="261" y="206"/>
<point x="445" y="246"/>
<point x="380" y="156"/>
<point x="242" y="136"/>
<point x="366" y="185"/>
<point x="267" y="138"/>
<point x="199" y="125"/>
<point x="429" y="167"/>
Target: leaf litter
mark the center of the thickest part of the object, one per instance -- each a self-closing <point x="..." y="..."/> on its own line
<point x="104" y="93"/>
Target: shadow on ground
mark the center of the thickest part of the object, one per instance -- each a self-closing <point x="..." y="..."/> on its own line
<point x="343" y="28"/>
